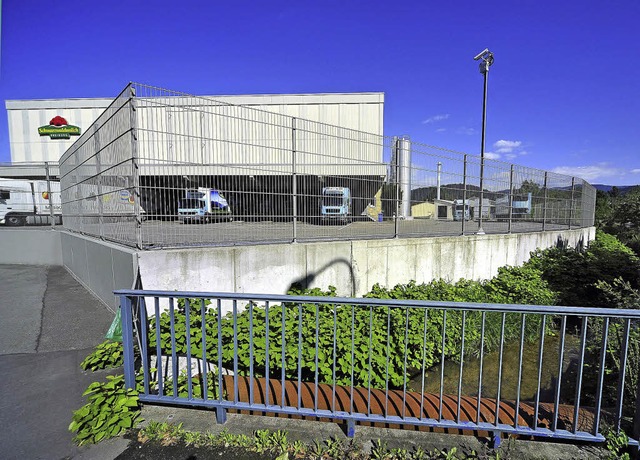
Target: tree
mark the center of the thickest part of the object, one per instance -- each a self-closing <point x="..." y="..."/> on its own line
<point x="620" y="215"/>
<point x="574" y="274"/>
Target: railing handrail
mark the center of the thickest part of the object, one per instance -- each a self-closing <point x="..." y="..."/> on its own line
<point x="469" y="306"/>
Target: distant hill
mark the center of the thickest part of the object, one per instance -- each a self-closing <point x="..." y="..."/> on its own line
<point x="448" y="192"/>
<point x="622" y="189"/>
<point x="452" y="192"/>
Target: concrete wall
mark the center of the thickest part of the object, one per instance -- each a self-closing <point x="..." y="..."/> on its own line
<point x="99" y="266"/>
<point x="352" y="266"/>
<point x="30" y="246"/>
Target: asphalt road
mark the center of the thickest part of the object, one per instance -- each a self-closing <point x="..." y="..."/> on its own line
<point x="49" y="323"/>
<point x="159" y="233"/>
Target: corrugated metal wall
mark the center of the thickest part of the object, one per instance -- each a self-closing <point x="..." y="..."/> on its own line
<point x="359" y="111"/>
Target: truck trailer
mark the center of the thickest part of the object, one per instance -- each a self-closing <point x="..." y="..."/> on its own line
<point x="204" y="205"/>
<point x="520" y="207"/>
<point x="29" y="201"/>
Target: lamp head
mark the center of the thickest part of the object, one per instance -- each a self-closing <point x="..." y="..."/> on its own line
<point x="481" y="54"/>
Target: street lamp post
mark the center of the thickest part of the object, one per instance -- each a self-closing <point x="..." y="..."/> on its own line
<point x="487" y="59"/>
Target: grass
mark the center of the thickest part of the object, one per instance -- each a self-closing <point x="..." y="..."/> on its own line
<point x="279" y="447"/>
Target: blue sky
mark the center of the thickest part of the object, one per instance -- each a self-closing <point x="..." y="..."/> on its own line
<point x="564" y="91"/>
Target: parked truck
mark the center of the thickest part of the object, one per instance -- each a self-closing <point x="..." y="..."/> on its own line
<point x="520" y="207"/>
<point x="29" y="201"/>
<point x="336" y="205"/>
<point x="460" y="209"/>
<point x="204" y="205"/>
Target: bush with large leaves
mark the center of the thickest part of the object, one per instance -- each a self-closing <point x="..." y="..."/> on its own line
<point x="361" y="345"/>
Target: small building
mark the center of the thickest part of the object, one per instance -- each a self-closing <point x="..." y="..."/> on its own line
<point x="443" y="209"/>
<point x="425" y="210"/>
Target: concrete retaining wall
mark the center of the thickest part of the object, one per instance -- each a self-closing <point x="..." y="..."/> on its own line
<point x="352" y="266"/>
<point x="30" y="246"/>
<point x="99" y="266"/>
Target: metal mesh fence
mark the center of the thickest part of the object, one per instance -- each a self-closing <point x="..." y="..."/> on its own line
<point x="158" y="162"/>
<point x="99" y="176"/>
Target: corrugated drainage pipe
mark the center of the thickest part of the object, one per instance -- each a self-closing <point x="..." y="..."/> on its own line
<point x="395" y="406"/>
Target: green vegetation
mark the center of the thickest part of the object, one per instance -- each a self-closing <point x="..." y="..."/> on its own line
<point x="616" y="445"/>
<point x="111" y="410"/>
<point x="605" y="274"/>
<point x="575" y="275"/>
<point x="276" y="443"/>
<point x="107" y="355"/>
<point x="619" y="215"/>
<point x="374" y="348"/>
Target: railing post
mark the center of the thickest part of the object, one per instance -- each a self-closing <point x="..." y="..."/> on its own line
<point x="221" y="415"/>
<point x="636" y="418"/>
<point x="135" y="168"/>
<point x="464" y="193"/>
<point x="126" y="311"/>
<point x="294" y="180"/>
<point x="52" y="215"/>
<point x="624" y="354"/>
<point x="351" y="428"/>
<point x="544" y="205"/>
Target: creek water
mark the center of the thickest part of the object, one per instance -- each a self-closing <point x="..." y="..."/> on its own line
<point x="510" y="368"/>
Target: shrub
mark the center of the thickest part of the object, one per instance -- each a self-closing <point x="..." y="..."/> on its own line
<point x="111" y="410"/>
<point x="106" y="355"/>
<point x="382" y="344"/>
<point x="573" y="274"/>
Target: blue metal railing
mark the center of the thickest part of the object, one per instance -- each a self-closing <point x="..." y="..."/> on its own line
<point x="372" y="360"/>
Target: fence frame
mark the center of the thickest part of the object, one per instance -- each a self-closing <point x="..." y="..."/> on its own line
<point x="134" y="310"/>
<point x="553" y="213"/>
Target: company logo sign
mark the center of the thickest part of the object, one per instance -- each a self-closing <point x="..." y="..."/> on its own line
<point x="58" y="128"/>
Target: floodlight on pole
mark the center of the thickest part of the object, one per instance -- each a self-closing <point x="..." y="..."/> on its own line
<point x="487" y="59"/>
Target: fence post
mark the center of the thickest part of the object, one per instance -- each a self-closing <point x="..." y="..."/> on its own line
<point x="573" y="183"/>
<point x="99" y="197"/>
<point x="126" y="311"/>
<point x="78" y="194"/>
<point x="53" y="217"/>
<point x="464" y="194"/>
<point x="510" y="199"/>
<point x="294" y="179"/>
<point x="544" y="206"/>
<point x="397" y="175"/>
<point x="135" y="168"/>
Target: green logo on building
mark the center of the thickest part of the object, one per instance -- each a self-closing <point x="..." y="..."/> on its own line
<point x="58" y="128"/>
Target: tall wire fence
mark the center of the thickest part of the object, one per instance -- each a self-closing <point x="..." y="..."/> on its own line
<point x="161" y="168"/>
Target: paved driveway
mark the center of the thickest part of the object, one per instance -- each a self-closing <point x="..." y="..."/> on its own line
<point x="48" y="324"/>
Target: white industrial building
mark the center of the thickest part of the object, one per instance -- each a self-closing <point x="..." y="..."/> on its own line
<point x="357" y="111"/>
<point x="249" y="146"/>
